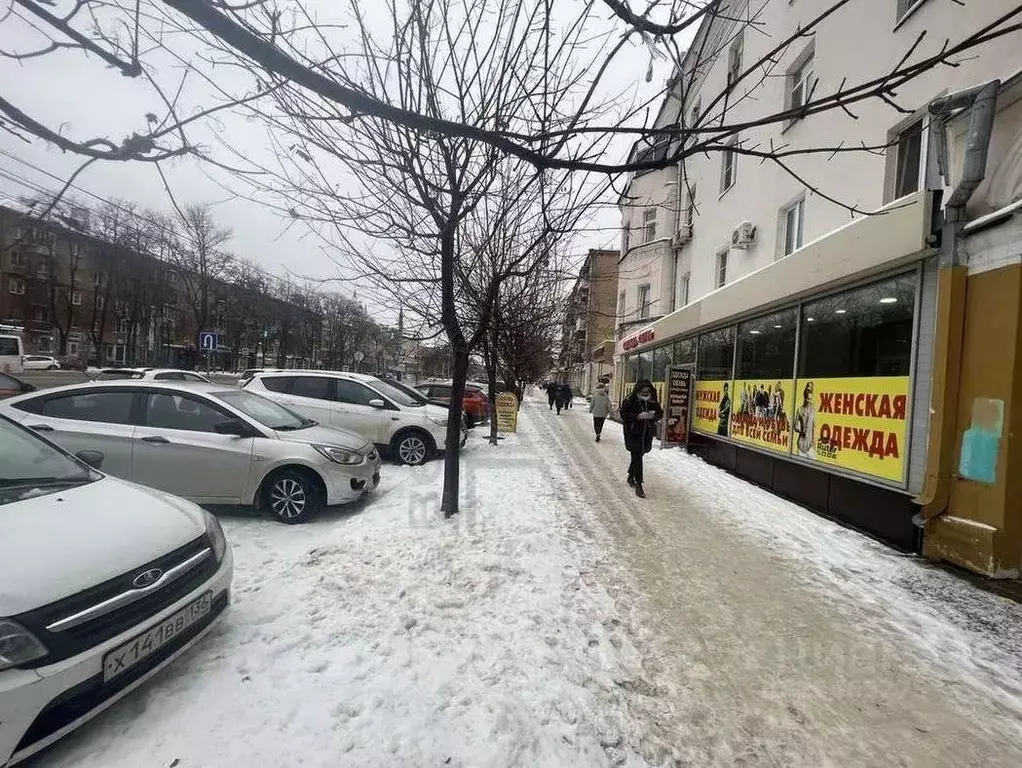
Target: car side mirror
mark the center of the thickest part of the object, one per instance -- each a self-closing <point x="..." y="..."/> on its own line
<point x="231" y="427"/>
<point x="26" y="387"/>
<point x="377" y="403"/>
<point x="93" y="458"/>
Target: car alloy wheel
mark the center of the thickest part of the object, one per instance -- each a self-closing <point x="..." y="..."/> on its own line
<point x="287" y="497"/>
<point x="291" y="497"/>
<point x="412" y="449"/>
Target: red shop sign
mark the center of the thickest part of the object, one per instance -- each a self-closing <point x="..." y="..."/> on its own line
<point x="644" y="337"/>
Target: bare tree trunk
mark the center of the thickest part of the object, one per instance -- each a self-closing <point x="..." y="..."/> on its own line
<point x="449" y="503"/>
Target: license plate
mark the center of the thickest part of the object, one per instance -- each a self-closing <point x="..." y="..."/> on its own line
<point x="120" y="660"/>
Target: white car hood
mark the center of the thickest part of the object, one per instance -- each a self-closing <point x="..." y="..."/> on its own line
<point x="55" y="545"/>
<point x="321" y="435"/>
<point x="435" y="412"/>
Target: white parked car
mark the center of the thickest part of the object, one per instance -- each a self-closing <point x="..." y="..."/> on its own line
<point x="40" y="363"/>
<point x="102" y="584"/>
<point x="405" y="427"/>
<point x="150" y="374"/>
<point x="208" y="443"/>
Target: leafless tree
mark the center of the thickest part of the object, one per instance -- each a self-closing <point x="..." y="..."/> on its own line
<point x="201" y="262"/>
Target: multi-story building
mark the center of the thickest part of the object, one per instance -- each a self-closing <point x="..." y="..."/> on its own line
<point x="587" y="336"/>
<point x="86" y="300"/>
<point x="836" y="309"/>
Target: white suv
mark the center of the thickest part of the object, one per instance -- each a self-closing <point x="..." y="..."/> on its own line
<point x="408" y="429"/>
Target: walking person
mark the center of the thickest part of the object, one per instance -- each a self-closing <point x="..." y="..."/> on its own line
<point x="568" y="395"/>
<point x="559" y="396"/>
<point x="551" y="393"/>
<point x="599" y="407"/>
<point x="640" y="411"/>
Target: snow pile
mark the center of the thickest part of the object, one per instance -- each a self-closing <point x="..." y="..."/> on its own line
<point x="385" y="636"/>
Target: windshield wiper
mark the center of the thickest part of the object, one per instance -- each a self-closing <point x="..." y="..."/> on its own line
<point x="306" y="423"/>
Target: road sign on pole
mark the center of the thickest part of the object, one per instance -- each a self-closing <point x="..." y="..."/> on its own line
<point x="208" y="341"/>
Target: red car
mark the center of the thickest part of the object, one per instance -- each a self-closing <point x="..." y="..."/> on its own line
<point x="475" y="403"/>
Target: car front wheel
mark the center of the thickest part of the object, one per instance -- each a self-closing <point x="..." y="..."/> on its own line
<point x="413" y="448"/>
<point x="291" y="496"/>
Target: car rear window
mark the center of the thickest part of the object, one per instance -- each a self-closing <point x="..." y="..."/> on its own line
<point x="9" y="346"/>
<point x="276" y="383"/>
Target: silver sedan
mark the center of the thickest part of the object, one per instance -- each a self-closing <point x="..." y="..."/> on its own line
<point x="208" y="443"/>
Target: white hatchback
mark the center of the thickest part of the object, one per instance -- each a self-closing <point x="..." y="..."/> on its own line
<point x="103" y="583"/>
<point x="40" y="363"/>
<point x="406" y="428"/>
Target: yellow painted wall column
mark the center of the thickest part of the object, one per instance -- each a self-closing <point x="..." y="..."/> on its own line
<point x="980" y="525"/>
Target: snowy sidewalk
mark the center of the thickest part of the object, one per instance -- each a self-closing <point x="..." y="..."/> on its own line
<point x="560" y="621"/>
<point x="787" y="639"/>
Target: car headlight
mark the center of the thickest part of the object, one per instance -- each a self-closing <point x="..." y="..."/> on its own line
<point x="18" y="645"/>
<point x="340" y="455"/>
<point x="215" y="532"/>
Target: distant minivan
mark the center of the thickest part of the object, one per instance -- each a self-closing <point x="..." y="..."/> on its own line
<point x="12" y="354"/>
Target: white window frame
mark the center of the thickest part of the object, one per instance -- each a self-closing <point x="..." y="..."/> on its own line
<point x="76" y="298"/>
<point x="720" y="269"/>
<point x="798" y="211"/>
<point x="122" y="325"/>
<point x="16" y="286"/>
<point x="649" y="223"/>
<point x="924" y="148"/>
<point x="644" y="300"/>
<point x="690" y="210"/>
<point x="735" y="53"/>
<point x="43" y="270"/>
<point x="801" y="81"/>
<point x="17" y="259"/>
<point x="684" y="286"/>
<point x="45" y="345"/>
<point x="728" y="168"/>
<point x="622" y="301"/>
<point x="626" y="238"/>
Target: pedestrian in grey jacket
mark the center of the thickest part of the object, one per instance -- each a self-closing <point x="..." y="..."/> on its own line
<point x="599" y="406"/>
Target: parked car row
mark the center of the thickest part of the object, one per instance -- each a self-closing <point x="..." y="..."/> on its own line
<point x="102" y="584"/>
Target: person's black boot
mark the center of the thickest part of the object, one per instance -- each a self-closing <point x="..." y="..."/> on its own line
<point x="639" y="492"/>
<point x="631" y="481"/>
<point x="597" y="438"/>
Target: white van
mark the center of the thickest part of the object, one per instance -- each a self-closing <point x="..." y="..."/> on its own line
<point x="12" y="354"/>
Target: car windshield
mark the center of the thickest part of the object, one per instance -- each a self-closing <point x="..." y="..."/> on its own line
<point x="118" y="375"/>
<point x="266" y="412"/>
<point x="31" y="467"/>
<point x="398" y="396"/>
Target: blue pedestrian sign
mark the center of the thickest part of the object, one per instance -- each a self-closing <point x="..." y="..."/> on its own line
<point x="208" y="341"/>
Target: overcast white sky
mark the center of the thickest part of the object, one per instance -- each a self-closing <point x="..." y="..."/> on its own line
<point x="86" y="99"/>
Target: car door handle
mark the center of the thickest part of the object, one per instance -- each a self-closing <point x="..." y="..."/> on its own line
<point x="41" y="427"/>
<point x="155" y="439"/>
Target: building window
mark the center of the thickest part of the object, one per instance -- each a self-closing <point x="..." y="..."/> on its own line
<point x="766" y="346"/>
<point x="621" y="304"/>
<point x="697" y="110"/>
<point x="648" y="225"/>
<point x="734" y="60"/>
<point x="800" y="85"/>
<point x="909" y="158"/>
<point x="122" y="325"/>
<point x="716" y="355"/>
<point x="690" y="209"/>
<point x="685" y="351"/>
<point x="44" y="271"/>
<point x="40" y="315"/>
<point x="97" y="279"/>
<point x="17" y="259"/>
<point x="16" y="286"/>
<point x="728" y="169"/>
<point x="644" y="301"/>
<point x="626" y="237"/>
<point x="72" y="348"/>
<point x="863" y="332"/>
<point x="45" y="344"/>
<point x="794" y="217"/>
<point x="76" y="298"/>
<point x="14" y="313"/>
<point x="721" y="276"/>
<point x="172" y="277"/>
<point x="683" y="288"/>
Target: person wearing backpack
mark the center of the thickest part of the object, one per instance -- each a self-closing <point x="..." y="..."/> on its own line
<point x="640" y="412"/>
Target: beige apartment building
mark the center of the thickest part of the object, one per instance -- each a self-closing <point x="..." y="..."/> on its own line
<point x="837" y="314"/>
<point x="587" y="337"/>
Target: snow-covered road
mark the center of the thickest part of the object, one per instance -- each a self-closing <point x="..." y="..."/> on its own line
<point x="562" y="621"/>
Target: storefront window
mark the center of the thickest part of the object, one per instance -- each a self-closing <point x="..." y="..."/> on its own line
<point x="860" y="333"/>
<point x="685" y="351"/>
<point x="632" y="369"/>
<point x="716" y="354"/>
<point x="661" y="362"/>
<point x="766" y="346"/>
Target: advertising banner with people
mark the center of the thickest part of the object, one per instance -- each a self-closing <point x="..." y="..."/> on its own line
<point x="679" y="394"/>
<point x="712" y="407"/>
<point x="761" y="413"/>
<point x="858" y="424"/>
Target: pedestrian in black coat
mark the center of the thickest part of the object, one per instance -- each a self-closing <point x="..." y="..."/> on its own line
<point x="551" y="393"/>
<point x="640" y="412"/>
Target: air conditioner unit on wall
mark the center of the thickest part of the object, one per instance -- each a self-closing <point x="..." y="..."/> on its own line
<point x="683" y="236"/>
<point x="744" y="235"/>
